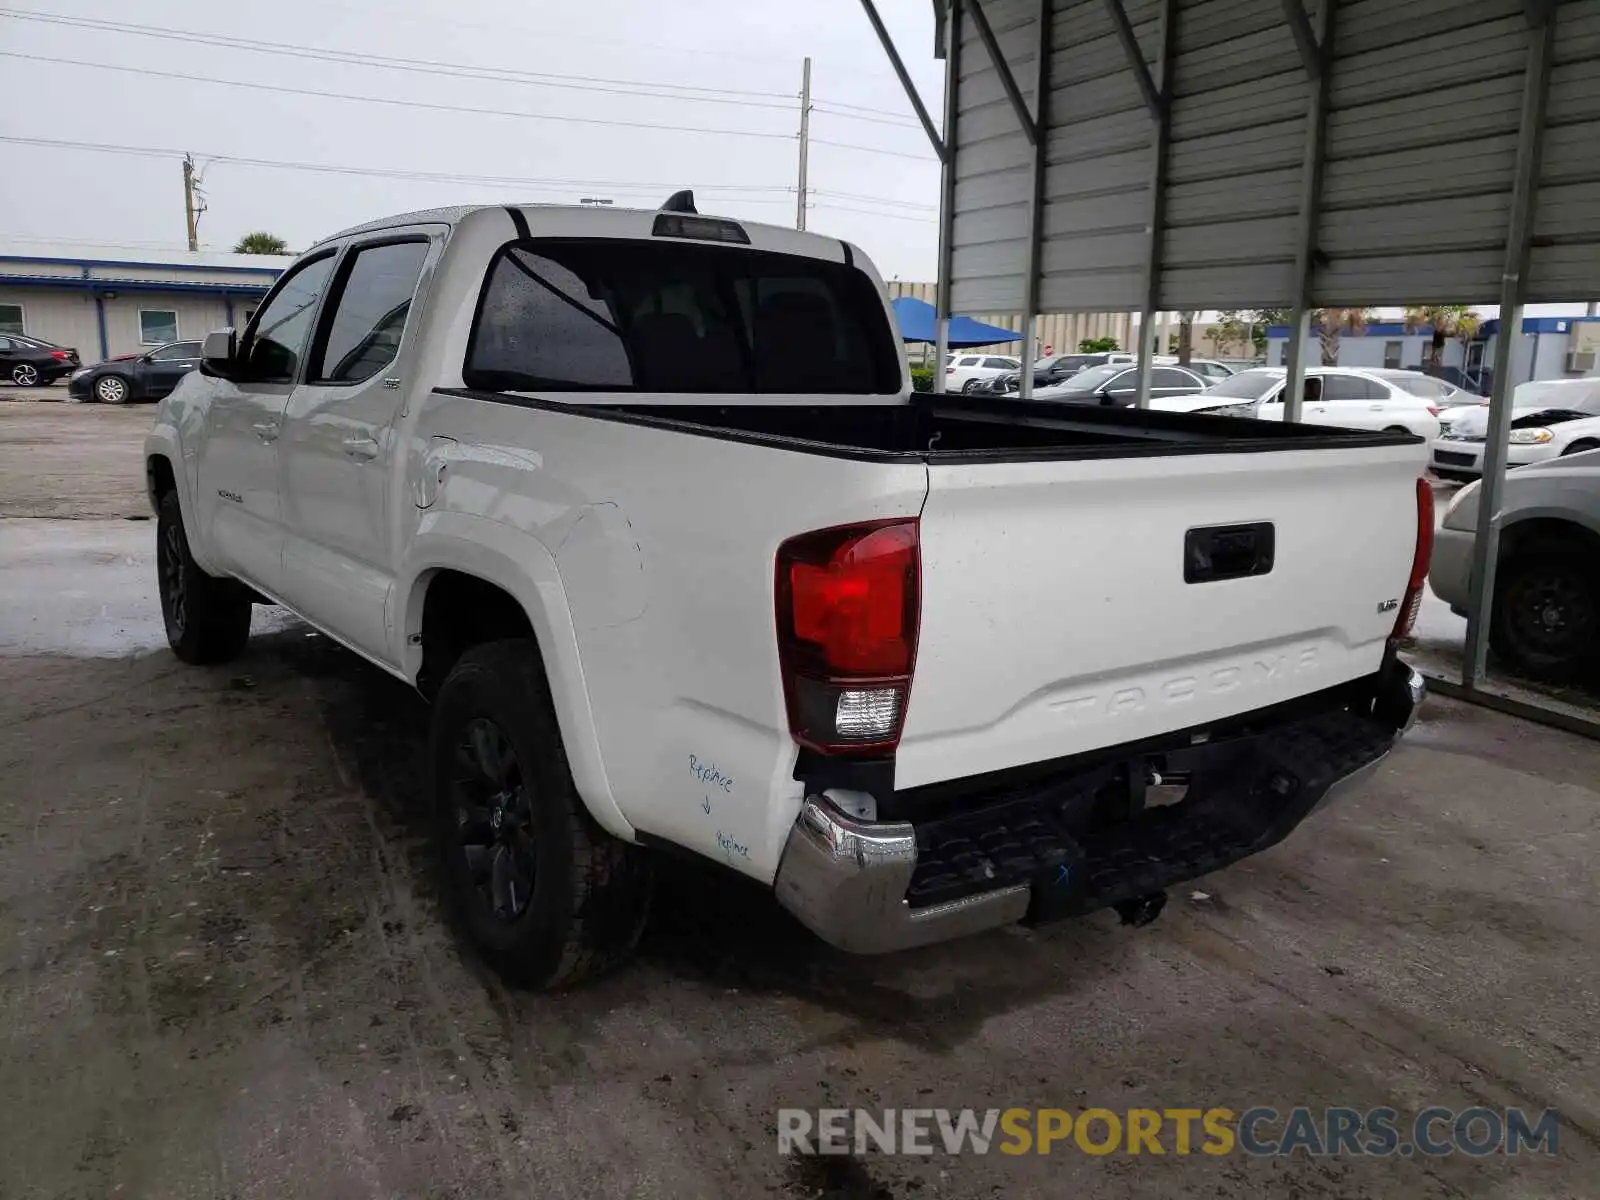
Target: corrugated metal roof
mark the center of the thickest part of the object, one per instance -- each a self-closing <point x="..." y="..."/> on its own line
<point x="1418" y="159"/>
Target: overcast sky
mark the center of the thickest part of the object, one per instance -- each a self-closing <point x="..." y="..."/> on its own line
<point x="749" y="52"/>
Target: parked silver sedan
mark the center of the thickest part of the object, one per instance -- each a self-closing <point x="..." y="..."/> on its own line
<point x="1546" y="616"/>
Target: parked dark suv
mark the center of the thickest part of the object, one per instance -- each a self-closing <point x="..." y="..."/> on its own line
<point x="148" y="376"/>
<point x="29" y="362"/>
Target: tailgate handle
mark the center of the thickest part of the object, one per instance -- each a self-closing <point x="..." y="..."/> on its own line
<point x="1215" y="552"/>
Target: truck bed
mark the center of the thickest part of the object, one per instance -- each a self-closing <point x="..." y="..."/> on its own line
<point x="951" y="429"/>
<point x="1089" y="577"/>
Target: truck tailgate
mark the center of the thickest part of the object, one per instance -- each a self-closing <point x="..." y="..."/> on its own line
<point x="1057" y="619"/>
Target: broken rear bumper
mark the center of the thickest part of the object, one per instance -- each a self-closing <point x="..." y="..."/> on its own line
<point x="1044" y="847"/>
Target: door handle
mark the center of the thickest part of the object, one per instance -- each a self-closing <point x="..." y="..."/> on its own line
<point x="1374" y="408"/>
<point x="361" y="448"/>
<point x="267" y="431"/>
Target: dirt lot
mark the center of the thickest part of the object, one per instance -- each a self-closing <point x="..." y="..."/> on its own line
<point x="222" y="971"/>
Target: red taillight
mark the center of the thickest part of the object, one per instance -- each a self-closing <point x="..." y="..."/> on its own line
<point x="1412" y="604"/>
<point x="847" y="608"/>
<point x="949" y="370"/>
<point x="61" y="354"/>
<point x="1433" y="410"/>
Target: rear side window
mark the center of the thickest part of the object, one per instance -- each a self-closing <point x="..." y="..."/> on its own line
<point x="630" y="316"/>
<point x="370" y="307"/>
<point x="176" y="352"/>
<point x="1352" y="387"/>
<point x="1166" y="377"/>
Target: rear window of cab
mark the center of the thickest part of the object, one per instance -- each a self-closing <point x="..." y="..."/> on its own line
<point x="632" y="316"/>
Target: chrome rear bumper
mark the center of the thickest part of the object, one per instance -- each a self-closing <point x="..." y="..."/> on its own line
<point x="847" y="879"/>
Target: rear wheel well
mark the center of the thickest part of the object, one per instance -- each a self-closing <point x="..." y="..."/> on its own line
<point x="1545" y="534"/>
<point x="460" y="611"/>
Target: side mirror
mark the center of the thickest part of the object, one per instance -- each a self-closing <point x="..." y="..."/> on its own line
<point x="219" y="353"/>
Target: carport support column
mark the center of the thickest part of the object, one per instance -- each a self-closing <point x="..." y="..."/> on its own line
<point x="947" y="196"/>
<point x="1524" y="199"/>
<point x="1035" y="265"/>
<point x="1162" y="111"/>
<point x="1315" y="40"/>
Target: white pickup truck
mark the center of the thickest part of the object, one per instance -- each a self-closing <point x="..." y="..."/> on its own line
<point x="644" y="504"/>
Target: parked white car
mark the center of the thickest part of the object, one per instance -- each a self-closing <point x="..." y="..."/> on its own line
<point x="644" y="505"/>
<point x="964" y="372"/>
<point x="1545" y="621"/>
<point x="1349" y="397"/>
<point x="1549" y="418"/>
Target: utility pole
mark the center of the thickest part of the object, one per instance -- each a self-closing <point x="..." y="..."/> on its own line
<point x="805" y="142"/>
<point x="188" y="201"/>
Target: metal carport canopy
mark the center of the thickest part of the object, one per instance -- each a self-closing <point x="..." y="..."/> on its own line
<point x="1200" y="154"/>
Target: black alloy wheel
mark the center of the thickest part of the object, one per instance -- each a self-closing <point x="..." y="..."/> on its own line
<point x="170" y="575"/>
<point x="495" y="841"/>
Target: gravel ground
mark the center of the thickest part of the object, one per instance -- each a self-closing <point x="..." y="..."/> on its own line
<point x="223" y="972"/>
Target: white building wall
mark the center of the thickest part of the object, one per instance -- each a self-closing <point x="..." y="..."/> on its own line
<point x="66" y="316"/>
<point x="60" y="315"/>
<point x="197" y="316"/>
<point x="1368" y="351"/>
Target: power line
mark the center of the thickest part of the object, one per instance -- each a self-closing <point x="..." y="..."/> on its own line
<point x="415" y="176"/>
<point x="833" y="110"/>
<point x="503" y="28"/>
<point x="933" y="208"/>
<point x="816" y="141"/>
<point x="744" y="191"/>
<point x="623" y="87"/>
<point x="867" y="212"/>
<point x="422" y="104"/>
<point x="867" y="108"/>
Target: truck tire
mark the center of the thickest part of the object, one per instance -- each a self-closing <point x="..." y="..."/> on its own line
<point x="207" y="619"/>
<point x="545" y="895"/>
<point x="1546" y="619"/>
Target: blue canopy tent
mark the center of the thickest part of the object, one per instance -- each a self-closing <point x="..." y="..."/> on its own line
<point x="917" y="324"/>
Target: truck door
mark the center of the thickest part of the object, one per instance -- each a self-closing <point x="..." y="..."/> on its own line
<point x="338" y="450"/>
<point x="238" y="470"/>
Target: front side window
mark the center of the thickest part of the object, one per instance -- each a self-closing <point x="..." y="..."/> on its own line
<point x="1000" y="364"/>
<point x="157" y="326"/>
<point x="369" y="313"/>
<point x="1391" y="354"/>
<point x="283" y="325"/>
<point x="604" y="315"/>
<point x="11" y="318"/>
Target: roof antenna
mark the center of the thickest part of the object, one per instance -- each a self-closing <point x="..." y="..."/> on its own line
<point x="680" y="202"/>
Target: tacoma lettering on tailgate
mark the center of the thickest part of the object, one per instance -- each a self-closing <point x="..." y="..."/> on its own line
<point x="1181" y="689"/>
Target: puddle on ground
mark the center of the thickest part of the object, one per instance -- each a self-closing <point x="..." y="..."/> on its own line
<point x="86" y="589"/>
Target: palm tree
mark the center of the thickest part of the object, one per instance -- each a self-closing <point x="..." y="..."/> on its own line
<point x="1448" y="321"/>
<point x="1333" y="323"/>
<point x="261" y="242"/>
<point x="1185" y="337"/>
